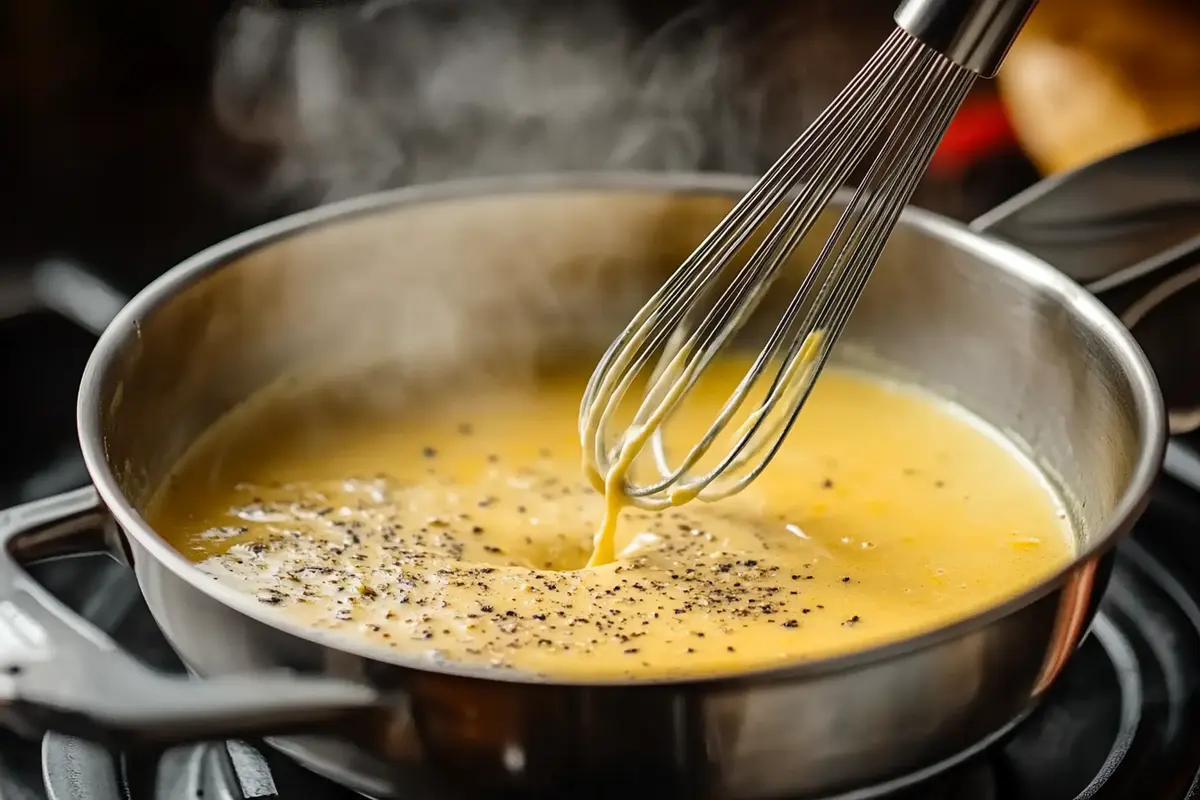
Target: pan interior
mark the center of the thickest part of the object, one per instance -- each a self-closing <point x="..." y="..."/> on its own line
<point x="410" y="294"/>
<point x="540" y="277"/>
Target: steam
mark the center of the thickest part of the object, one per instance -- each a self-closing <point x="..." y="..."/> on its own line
<point x="413" y="91"/>
<point x="357" y="98"/>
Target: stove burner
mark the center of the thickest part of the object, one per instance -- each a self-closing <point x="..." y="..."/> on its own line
<point x="1124" y="718"/>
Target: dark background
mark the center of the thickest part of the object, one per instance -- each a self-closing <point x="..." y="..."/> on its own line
<point x="110" y="151"/>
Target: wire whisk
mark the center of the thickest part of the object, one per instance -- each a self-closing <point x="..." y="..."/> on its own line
<point x="884" y="126"/>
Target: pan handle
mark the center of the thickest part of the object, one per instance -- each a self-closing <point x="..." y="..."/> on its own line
<point x="1112" y="223"/>
<point x="1127" y="228"/>
<point x="58" y="672"/>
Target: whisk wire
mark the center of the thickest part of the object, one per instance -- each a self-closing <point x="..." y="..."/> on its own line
<point x="888" y="203"/>
<point x="889" y="119"/>
<point x="715" y="330"/>
<point x="777" y="249"/>
<point x="781" y="242"/>
<point x="668" y="303"/>
<point x="875" y="213"/>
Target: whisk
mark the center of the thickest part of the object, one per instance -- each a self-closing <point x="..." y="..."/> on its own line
<point x="887" y="121"/>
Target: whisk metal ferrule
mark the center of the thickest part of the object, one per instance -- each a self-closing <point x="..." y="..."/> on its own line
<point x="975" y="34"/>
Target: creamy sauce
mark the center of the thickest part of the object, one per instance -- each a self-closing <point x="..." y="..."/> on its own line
<point x="460" y="532"/>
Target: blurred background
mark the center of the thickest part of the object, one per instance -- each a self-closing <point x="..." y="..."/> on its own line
<point x="133" y="132"/>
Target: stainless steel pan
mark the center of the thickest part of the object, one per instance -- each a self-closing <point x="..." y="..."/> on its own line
<point x="396" y="282"/>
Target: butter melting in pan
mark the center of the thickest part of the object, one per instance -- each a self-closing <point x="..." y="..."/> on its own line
<point x="460" y="533"/>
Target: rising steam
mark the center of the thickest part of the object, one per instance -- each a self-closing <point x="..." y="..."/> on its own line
<point x="411" y="91"/>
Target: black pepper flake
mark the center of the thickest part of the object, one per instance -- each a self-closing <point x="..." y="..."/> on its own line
<point x="851" y="622"/>
<point x="428" y="452"/>
<point x="827" y="484"/>
<point x="729" y="587"/>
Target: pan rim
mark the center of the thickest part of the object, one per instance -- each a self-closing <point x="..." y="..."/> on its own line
<point x="997" y="254"/>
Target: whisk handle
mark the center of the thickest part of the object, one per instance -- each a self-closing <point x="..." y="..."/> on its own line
<point x="975" y="34"/>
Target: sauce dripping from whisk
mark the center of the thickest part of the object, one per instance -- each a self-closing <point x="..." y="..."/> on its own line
<point x="614" y="484"/>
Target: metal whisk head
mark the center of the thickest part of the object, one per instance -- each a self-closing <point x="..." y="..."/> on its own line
<point x="885" y="124"/>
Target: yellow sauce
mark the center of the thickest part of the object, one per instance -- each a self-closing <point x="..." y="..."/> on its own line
<point x="459" y="531"/>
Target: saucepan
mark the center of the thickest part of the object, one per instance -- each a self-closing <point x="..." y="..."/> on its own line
<point x="406" y="280"/>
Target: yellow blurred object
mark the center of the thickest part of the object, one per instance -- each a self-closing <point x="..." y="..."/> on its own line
<point x="1089" y="78"/>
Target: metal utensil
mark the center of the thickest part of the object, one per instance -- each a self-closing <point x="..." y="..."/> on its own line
<point x="888" y="121"/>
<point x="999" y="331"/>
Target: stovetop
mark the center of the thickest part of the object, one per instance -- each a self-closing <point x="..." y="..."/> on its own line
<point x="1123" y="721"/>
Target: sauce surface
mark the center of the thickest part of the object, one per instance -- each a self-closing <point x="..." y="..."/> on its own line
<point x="459" y="531"/>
